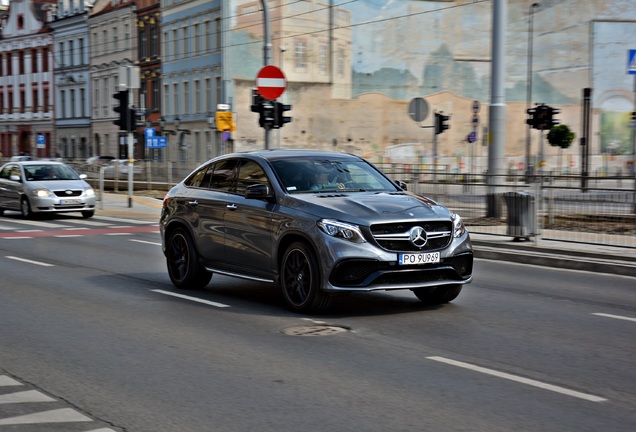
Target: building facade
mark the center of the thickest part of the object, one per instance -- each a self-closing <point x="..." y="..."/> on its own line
<point x="72" y="80"/>
<point x="26" y="80"/>
<point x="113" y="54"/>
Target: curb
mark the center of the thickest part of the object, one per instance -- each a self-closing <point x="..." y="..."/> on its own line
<point x="557" y="259"/>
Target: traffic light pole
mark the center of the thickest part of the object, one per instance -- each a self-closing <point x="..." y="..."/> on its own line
<point x="267" y="49"/>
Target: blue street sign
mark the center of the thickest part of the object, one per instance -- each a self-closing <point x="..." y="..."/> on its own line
<point x="631" y="62"/>
<point x="157" y="142"/>
<point x="149" y="133"/>
<point x="472" y="137"/>
<point x="40" y="141"/>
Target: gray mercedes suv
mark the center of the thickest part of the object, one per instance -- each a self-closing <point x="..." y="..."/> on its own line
<point x="315" y="223"/>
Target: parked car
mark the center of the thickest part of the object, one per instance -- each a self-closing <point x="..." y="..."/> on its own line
<point x="118" y="169"/>
<point x="20" y="158"/>
<point x="318" y="224"/>
<point x="99" y="160"/>
<point x="32" y="187"/>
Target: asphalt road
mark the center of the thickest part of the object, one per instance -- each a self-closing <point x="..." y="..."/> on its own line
<point x="88" y="319"/>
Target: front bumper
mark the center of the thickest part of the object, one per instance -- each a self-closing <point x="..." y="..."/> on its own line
<point x="60" y="205"/>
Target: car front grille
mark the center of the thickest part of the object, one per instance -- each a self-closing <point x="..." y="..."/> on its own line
<point x="364" y="273"/>
<point x="64" y="193"/>
<point x="395" y="237"/>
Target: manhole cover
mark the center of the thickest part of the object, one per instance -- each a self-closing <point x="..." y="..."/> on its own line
<point x="313" y="330"/>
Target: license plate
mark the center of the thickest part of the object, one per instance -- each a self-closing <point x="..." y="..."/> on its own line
<point x="418" y="258"/>
<point x="71" y="201"/>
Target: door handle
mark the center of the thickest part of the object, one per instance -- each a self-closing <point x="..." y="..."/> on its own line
<point x="231" y="207"/>
<point x="193" y="203"/>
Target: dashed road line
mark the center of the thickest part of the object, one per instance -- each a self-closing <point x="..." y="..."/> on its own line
<point x="519" y="379"/>
<point x="619" y="317"/>
<point x="43" y="264"/>
<point x="194" y="299"/>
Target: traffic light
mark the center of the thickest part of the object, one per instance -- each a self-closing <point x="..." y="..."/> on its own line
<point x="531" y="119"/>
<point x="542" y="117"/>
<point x="137" y="117"/>
<point x="551" y="120"/>
<point x="122" y="110"/>
<point x="281" y="118"/>
<point x="267" y="116"/>
<point x="440" y="123"/>
<point x="257" y="101"/>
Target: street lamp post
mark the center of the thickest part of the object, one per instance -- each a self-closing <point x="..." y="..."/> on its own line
<point x="529" y="83"/>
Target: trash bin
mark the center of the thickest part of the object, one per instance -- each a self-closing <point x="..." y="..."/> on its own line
<point x="521" y="214"/>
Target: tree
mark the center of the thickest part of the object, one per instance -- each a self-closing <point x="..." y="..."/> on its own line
<point x="560" y="136"/>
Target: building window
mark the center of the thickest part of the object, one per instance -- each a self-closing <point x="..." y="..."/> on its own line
<point x="323" y="58"/>
<point x="72" y="101"/>
<point x="80" y="46"/>
<point x="34" y="60"/>
<point x="153" y="41"/>
<point x="9" y="65"/>
<point x="166" y="105"/>
<point x="103" y="50"/>
<point x="126" y="36"/>
<point x="20" y="21"/>
<point x="187" y="105"/>
<point x="154" y="97"/>
<point x="63" y="104"/>
<point x="22" y="101"/>
<point x="143" y="51"/>
<point x="45" y="102"/>
<point x="208" y="95"/>
<point x="35" y="94"/>
<point x="82" y="102"/>
<point x="217" y="34"/>
<point x="195" y="39"/>
<point x="341" y="62"/>
<point x="175" y="47"/>
<point x="175" y="98"/>
<point x="197" y="96"/>
<point x="21" y="62"/>
<point x="300" y="54"/>
<point x="71" y="54"/>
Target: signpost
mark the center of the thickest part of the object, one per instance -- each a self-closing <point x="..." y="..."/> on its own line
<point x="271" y="82"/>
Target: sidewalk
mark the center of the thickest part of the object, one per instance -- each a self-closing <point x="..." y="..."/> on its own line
<point x="547" y="253"/>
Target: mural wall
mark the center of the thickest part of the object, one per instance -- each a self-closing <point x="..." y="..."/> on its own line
<point x="404" y="49"/>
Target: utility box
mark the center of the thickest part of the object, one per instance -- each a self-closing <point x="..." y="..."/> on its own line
<point x="522" y="215"/>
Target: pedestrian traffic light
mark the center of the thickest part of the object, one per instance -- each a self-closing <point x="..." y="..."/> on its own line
<point x="122" y="110"/>
<point x="137" y="117"/>
<point x="440" y="123"/>
<point x="281" y="118"/>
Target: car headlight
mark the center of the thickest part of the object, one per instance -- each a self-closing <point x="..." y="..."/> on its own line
<point x="458" y="225"/>
<point x="89" y="192"/>
<point x="42" y="193"/>
<point x="341" y="230"/>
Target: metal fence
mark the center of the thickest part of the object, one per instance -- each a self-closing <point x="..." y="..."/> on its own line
<point x="545" y="207"/>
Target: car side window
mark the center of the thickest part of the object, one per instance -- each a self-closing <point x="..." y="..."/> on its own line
<point x="224" y="175"/>
<point x="196" y="180"/>
<point x="5" y="173"/>
<point x="250" y="173"/>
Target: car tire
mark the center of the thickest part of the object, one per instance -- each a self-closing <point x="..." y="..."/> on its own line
<point x="182" y="260"/>
<point x="300" y="280"/>
<point x="438" y="295"/>
<point x="25" y="208"/>
<point x="88" y="214"/>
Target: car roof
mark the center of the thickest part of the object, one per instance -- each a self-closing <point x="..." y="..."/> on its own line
<point x="277" y="154"/>
<point x="35" y="162"/>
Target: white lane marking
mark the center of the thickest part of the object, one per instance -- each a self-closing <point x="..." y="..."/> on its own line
<point x="6" y="381"/>
<point x="75" y="229"/>
<point x="30" y="230"/>
<point x="30" y="261"/>
<point x="128" y="221"/>
<point x="102" y="430"/>
<point x="146" y="242"/>
<point x="198" y="300"/>
<point x="25" y="396"/>
<point x="16" y="238"/>
<point x="68" y="235"/>
<point x="63" y="415"/>
<point x="118" y="233"/>
<point x="34" y="223"/>
<point x="519" y="379"/>
<point x="615" y="316"/>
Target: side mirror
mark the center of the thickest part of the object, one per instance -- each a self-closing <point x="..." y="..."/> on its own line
<point x="401" y="184"/>
<point x="83" y="176"/>
<point x="258" y="191"/>
<point x="15" y="177"/>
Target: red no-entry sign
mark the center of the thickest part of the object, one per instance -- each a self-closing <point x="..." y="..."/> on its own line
<point x="271" y="82"/>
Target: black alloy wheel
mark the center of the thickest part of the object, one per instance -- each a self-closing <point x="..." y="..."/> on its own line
<point x="183" y="262"/>
<point x="300" y="279"/>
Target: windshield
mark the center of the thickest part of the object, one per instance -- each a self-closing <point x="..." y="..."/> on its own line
<point x="320" y="175"/>
<point x="49" y="172"/>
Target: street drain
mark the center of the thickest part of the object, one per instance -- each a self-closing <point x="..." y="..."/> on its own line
<point x="313" y="330"/>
